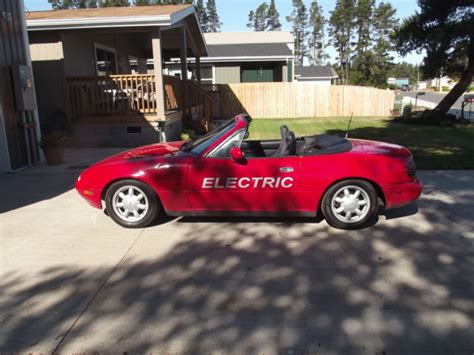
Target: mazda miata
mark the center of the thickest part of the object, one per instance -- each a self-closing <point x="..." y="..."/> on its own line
<point x="223" y="173"/>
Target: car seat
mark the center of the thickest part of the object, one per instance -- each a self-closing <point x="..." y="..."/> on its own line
<point x="288" y="143"/>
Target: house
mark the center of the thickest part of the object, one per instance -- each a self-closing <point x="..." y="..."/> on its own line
<point x="421" y="85"/>
<point x="440" y="82"/>
<point x="91" y="67"/>
<point x="19" y="133"/>
<point x="244" y="57"/>
<point x="321" y="74"/>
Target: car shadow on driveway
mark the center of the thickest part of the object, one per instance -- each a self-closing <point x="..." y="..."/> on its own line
<point x="403" y="286"/>
<point x="395" y="213"/>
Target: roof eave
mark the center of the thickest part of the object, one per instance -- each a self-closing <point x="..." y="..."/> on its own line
<point x="105" y="22"/>
<point x="247" y="58"/>
<point x="316" y="77"/>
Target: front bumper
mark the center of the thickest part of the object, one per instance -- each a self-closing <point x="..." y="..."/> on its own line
<point x="92" y="196"/>
<point x="397" y="195"/>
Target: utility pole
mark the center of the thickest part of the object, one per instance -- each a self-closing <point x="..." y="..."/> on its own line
<point x="417" y="81"/>
<point x="439" y="81"/>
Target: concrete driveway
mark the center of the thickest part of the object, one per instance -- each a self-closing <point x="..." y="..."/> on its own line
<point x="73" y="281"/>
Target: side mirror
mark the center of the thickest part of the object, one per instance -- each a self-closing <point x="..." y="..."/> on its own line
<point x="236" y="154"/>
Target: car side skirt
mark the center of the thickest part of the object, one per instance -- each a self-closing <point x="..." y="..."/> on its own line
<point x="241" y="213"/>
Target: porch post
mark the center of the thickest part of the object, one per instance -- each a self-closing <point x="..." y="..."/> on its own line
<point x="184" y="55"/>
<point x="158" y="70"/>
<point x="198" y="69"/>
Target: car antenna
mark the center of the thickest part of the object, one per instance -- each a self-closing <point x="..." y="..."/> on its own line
<point x="349" y="126"/>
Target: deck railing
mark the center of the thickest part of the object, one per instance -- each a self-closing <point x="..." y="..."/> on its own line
<point x="123" y="94"/>
<point x="116" y="94"/>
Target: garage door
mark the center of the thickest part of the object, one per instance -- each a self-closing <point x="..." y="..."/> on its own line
<point x="257" y="74"/>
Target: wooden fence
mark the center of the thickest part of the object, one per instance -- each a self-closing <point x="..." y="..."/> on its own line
<point x="289" y="100"/>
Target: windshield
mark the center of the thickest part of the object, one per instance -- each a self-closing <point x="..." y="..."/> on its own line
<point x="200" y="144"/>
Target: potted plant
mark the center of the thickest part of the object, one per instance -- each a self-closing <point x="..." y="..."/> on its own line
<point x="52" y="145"/>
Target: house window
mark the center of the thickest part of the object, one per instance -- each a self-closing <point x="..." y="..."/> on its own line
<point x="105" y="59"/>
<point x="133" y="64"/>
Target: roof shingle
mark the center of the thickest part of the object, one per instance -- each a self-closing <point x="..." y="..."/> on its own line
<point x="249" y="50"/>
<point x="132" y="11"/>
<point x="315" y="71"/>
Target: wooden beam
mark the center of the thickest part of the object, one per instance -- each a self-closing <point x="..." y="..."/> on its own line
<point x="183" y="51"/>
<point x="158" y="69"/>
<point x="192" y="43"/>
<point x="198" y="69"/>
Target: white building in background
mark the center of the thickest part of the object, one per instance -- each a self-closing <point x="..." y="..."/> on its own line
<point x="440" y="82"/>
<point x="321" y="74"/>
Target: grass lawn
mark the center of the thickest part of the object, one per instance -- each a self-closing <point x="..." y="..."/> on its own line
<point x="432" y="147"/>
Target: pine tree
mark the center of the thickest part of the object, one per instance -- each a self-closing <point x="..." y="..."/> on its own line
<point x="364" y="22"/>
<point x="273" y="18"/>
<point x="264" y="18"/>
<point x="384" y="22"/>
<point x="299" y="20"/>
<point x="261" y="16"/>
<point x="201" y="14"/>
<point x="251" y="23"/>
<point x="82" y="4"/>
<point x="72" y="4"/>
<point x="258" y="19"/>
<point x="316" y="42"/>
<point x="363" y="69"/>
<point x="114" y="3"/>
<point x="341" y="31"/>
<point x="214" y="23"/>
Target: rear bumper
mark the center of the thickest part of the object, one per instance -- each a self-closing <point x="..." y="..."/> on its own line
<point x="397" y="195"/>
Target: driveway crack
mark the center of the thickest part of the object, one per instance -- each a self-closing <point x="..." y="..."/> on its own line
<point x="94" y="296"/>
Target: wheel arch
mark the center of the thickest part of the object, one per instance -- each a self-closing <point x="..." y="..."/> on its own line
<point x="377" y="188"/>
<point x="111" y="182"/>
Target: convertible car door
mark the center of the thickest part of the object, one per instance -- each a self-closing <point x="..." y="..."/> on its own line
<point x="257" y="184"/>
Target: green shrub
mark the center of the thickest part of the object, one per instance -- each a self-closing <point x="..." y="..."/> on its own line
<point x="52" y="140"/>
<point x="407" y="109"/>
<point x="187" y="135"/>
<point x="470" y="88"/>
<point x="445" y="88"/>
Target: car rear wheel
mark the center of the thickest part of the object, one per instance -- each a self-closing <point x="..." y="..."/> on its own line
<point x="350" y="204"/>
<point x="131" y="203"/>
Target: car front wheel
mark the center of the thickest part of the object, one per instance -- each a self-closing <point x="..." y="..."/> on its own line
<point x="350" y="204"/>
<point x="131" y="203"/>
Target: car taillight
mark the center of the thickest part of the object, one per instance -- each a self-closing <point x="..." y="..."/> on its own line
<point x="411" y="167"/>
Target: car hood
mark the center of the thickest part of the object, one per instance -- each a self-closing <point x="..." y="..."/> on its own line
<point x="382" y="148"/>
<point x="152" y="150"/>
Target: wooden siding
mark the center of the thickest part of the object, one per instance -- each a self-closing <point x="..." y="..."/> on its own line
<point x="12" y="52"/>
<point x="229" y="73"/>
<point x="289" y="100"/>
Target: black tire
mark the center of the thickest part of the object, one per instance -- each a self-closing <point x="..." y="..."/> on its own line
<point x="146" y="217"/>
<point x="369" y="213"/>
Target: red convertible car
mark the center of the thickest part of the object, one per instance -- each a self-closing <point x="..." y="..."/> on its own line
<point x="222" y="173"/>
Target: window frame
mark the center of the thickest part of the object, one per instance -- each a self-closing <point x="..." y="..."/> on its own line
<point x="216" y="149"/>
<point x="108" y="49"/>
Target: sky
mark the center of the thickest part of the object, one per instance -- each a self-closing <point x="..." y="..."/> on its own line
<point x="234" y="15"/>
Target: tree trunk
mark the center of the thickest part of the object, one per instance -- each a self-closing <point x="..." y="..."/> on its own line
<point x="466" y="78"/>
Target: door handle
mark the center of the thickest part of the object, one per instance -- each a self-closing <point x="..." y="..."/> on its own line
<point x="286" y="169"/>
